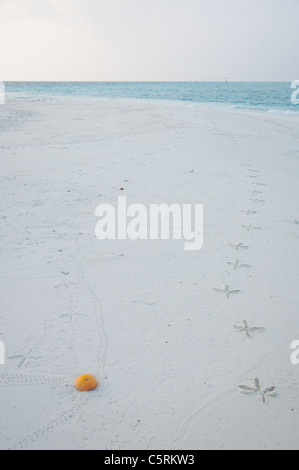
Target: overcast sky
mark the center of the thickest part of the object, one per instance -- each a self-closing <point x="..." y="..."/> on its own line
<point x="149" y="40"/>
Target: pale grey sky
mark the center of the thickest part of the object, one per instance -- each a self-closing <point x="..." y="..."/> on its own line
<point x="149" y="40"/>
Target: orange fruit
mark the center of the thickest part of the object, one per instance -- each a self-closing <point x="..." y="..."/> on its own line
<point x="86" y="383"/>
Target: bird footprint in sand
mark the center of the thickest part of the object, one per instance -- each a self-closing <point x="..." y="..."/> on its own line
<point x="249" y="212"/>
<point x="239" y="246"/>
<point x="143" y="302"/>
<point x="249" y="228"/>
<point x="257" y="389"/>
<point x="247" y="329"/>
<point x="72" y="316"/>
<point x="227" y="291"/>
<point x="25" y="359"/>
<point x="255" y="201"/>
<point x="251" y="176"/>
<point x="237" y="265"/>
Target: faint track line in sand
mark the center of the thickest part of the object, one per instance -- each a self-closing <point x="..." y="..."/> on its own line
<point x="49" y="428"/>
<point x="102" y="334"/>
<point x="226" y="394"/>
<point x="20" y="380"/>
<point x="99" y="316"/>
<point x="70" y="315"/>
<point x="185" y="428"/>
<point x="52" y="381"/>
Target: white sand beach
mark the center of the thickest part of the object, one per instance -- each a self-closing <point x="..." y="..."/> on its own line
<point x="144" y="316"/>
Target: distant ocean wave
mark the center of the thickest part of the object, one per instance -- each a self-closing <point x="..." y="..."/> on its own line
<point x="269" y="97"/>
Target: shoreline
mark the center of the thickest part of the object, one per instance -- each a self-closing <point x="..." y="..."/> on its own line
<point x="256" y="97"/>
<point x="211" y="107"/>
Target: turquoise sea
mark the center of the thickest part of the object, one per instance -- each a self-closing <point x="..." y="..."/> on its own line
<point x="271" y="97"/>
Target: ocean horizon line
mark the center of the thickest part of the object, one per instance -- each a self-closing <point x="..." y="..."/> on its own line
<point x="149" y="81"/>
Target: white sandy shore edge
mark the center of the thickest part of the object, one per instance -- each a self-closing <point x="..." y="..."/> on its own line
<point x="143" y="316"/>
